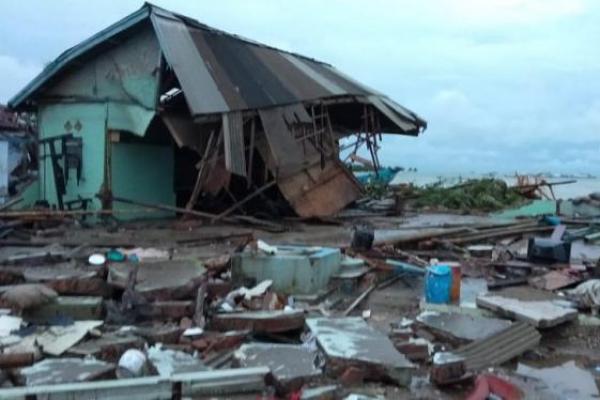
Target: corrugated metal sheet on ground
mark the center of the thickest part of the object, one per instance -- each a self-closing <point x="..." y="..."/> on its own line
<point x="501" y="347"/>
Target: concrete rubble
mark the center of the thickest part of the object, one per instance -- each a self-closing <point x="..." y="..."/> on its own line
<point x="291" y="365"/>
<point x="351" y="343"/>
<point x="461" y="328"/>
<point x="541" y="314"/>
<point x="303" y="317"/>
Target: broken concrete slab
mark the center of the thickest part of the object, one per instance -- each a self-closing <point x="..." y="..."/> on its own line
<point x="66" y="370"/>
<point x="293" y="270"/>
<point x="447" y="368"/>
<point x="161" y="280"/>
<point x="500" y="347"/>
<point x="57" y="339"/>
<point x="259" y="321"/>
<point x="68" y="279"/>
<point x="450" y="308"/>
<point x="351" y="342"/>
<point x="220" y="341"/>
<point x="291" y="365"/>
<point x="541" y="314"/>
<point x="459" y="328"/>
<point x="75" y="307"/>
<point x="414" y="349"/>
<point x="166" y="334"/>
<point x="555" y="280"/>
<point x="168" y="362"/>
<point x="109" y="347"/>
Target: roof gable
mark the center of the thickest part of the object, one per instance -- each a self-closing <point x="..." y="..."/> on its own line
<point x="220" y="72"/>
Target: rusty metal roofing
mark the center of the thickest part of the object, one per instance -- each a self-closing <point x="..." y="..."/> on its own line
<point x="220" y="72"/>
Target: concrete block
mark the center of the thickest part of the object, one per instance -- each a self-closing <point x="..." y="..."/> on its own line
<point x="351" y="342"/>
<point x="293" y="269"/>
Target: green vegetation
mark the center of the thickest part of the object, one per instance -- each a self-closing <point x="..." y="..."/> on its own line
<point x="474" y="194"/>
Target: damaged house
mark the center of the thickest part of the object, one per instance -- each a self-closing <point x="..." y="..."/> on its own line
<point x="160" y="108"/>
<point x="17" y="154"/>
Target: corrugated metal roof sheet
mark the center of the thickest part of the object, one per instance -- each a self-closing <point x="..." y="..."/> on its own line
<point x="221" y="72"/>
<point x="501" y="347"/>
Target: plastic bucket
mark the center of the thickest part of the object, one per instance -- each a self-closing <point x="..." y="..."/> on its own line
<point x="438" y="282"/>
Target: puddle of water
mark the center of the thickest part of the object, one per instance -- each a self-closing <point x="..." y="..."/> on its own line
<point x="567" y="381"/>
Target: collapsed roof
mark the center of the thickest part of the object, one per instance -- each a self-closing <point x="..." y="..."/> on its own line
<point x="212" y="81"/>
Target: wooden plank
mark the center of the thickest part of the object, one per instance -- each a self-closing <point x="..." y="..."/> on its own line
<point x="327" y="193"/>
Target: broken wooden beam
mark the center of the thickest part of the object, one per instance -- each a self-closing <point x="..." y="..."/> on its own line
<point x="243" y="201"/>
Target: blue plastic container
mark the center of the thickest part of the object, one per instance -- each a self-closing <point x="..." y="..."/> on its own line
<point x="438" y="283"/>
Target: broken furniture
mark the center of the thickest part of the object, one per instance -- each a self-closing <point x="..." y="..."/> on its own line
<point x="553" y="249"/>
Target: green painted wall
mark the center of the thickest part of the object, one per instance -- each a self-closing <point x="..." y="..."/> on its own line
<point x="142" y="172"/>
<point x="125" y="73"/>
<point x="114" y="90"/>
<point x="53" y="121"/>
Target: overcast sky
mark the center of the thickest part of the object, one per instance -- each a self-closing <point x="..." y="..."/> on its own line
<point x="506" y="85"/>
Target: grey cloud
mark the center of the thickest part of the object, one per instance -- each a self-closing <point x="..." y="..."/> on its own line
<point x="504" y="85"/>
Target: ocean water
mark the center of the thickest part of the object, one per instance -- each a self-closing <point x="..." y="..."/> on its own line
<point x="583" y="186"/>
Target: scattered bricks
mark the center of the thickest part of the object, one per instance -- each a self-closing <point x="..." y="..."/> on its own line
<point x="79" y="308"/>
<point x="218" y="289"/>
<point x="413" y="351"/>
<point x="170" y="310"/>
<point x="10" y="276"/>
<point x="16" y="360"/>
<point x="217" y="341"/>
<point x="447" y="368"/>
<point x="259" y="321"/>
<point x="108" y="347"/>
<point x="91" y="286"/>
<point x="167" y="334"/>
<point x="69" y="280"/>
<point x="425" y="334"/>
<point x="353" y="376"/>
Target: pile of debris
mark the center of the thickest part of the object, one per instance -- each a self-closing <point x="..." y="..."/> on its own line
<point x="293" y="321"/>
